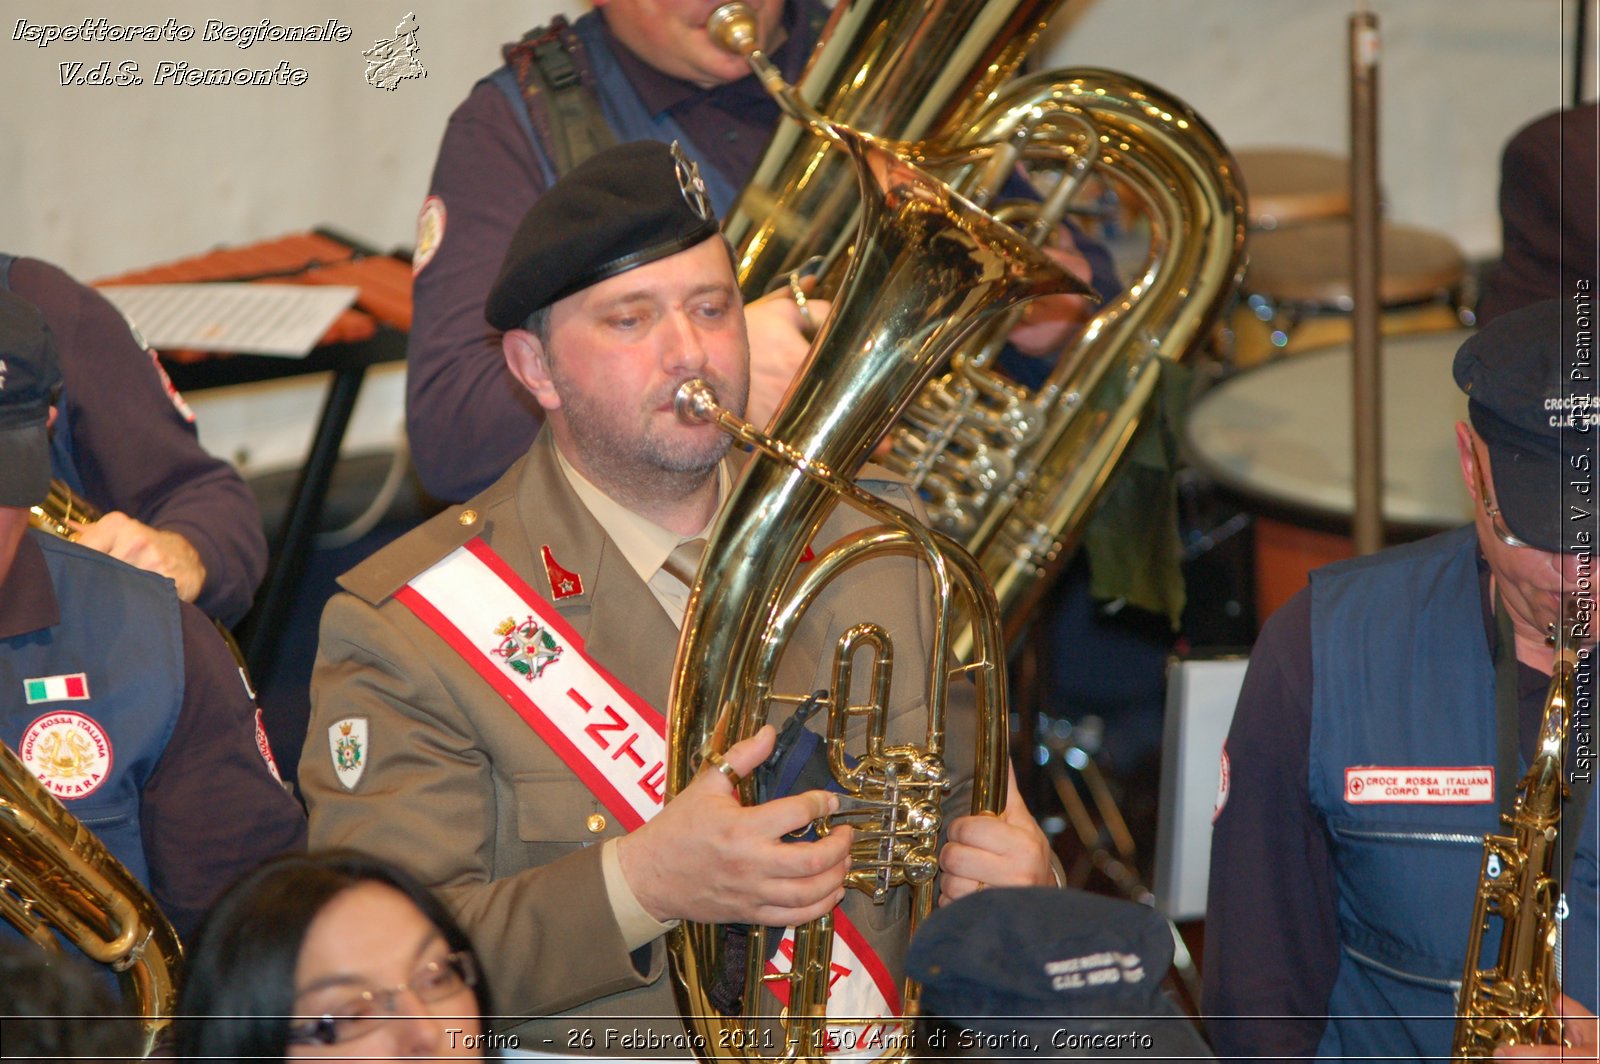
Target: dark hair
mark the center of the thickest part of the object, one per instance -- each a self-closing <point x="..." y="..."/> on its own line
<point x="57" y="1007"/>
<point x="238" y="990"/>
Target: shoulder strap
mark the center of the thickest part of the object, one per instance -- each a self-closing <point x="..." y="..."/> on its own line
<point x="545" y="77"/>
<point x="5" y="271"/>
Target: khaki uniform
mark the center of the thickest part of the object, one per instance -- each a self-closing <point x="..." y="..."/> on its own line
<point x="459" y="790"/>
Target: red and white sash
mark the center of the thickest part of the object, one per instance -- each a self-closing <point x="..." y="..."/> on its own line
<point x="611" y="738"/>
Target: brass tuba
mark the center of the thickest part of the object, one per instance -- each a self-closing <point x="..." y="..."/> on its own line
<point x="1011" y="473"/>
<point x="1512" y="1002"/>
<point x="54" y="873"/>
<point x="926" y="268"/>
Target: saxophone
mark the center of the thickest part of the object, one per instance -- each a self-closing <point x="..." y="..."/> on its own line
<point x="926" y="267"/>
<point x="54" y="872"/>
<point x="1512" y="1002"/>
<point x="1010" y="472"/>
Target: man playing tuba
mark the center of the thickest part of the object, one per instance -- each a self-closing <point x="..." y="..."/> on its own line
<point x="531" y="798"/>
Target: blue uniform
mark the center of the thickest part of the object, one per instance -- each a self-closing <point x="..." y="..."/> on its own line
<point x="1339" y="919"/>
<point x="127" y="706"/>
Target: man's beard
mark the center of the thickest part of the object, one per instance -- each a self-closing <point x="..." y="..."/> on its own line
<point x="639" y="464"/>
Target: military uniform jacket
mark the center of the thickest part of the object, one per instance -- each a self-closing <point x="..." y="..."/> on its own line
<point x="458" y="789"/>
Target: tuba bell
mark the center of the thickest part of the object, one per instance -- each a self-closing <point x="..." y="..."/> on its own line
<point x="926" y="267"/>
<point x="1012" y="473"/>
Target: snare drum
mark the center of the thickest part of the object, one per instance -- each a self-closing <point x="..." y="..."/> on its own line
<point x="1280" y="435"/>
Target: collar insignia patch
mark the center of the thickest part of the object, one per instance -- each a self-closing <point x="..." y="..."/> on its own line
<point x="563" y="582"/>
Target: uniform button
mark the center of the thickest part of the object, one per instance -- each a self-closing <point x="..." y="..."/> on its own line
<point x="597" y="823"/>
<point x="468" y="517"/>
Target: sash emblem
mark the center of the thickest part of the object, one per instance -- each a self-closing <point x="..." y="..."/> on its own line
<point x="529" y="648"/>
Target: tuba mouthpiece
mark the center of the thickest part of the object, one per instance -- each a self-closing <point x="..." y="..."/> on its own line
<point x="733" y="28"/>
<point x="695" y="401"/>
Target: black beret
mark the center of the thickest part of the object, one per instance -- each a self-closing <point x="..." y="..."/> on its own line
<point x="1529" y="376"/>
<point x="30" y="375"/>
<point x="620" y="208"/>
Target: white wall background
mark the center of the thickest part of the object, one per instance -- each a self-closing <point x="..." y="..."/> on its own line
<point x="105" y="179"/>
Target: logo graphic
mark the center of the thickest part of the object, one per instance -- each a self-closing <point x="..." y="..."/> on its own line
<point x="68" y="753"/>
<point x="347" y="742"/>
<point x="691" y="183"/>
<point x="392" y="61"/>
<point x="528" y="648"/>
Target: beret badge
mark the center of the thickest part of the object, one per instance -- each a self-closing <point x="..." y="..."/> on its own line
<point x="691" y="184"/>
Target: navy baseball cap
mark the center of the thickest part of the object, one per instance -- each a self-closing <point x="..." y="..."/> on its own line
<point x="30" y="376"/>
<point x="1530" y="377"/>
<point x="618" y="209"/>
<point x="1049" y="972"/>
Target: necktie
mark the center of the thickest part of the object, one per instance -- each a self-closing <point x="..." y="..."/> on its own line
<point x="684" y="561"/>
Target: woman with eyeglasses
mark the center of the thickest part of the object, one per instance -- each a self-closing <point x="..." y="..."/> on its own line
<point x="333" y="954"/>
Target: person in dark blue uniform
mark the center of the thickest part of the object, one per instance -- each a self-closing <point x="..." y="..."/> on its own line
<point x="123" y="701"/>
<point x="1388" y="713"/>
<point x="125" y="441"/>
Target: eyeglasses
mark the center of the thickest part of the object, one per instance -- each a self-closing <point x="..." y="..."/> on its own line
<point x="1497" y="522"/>
<point x="365" y="1011"/>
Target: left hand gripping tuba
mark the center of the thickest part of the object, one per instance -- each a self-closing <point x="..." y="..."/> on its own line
<point x="926" y="268"/>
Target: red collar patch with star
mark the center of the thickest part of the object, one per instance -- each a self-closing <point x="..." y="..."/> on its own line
<point x="563" y="583"/>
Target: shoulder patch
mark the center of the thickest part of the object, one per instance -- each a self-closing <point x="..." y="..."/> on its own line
<point x="264" y="746"/>
<point x="1224" y="784"/>
<point x="430" y="233"/>
<point x="347" y="745"/>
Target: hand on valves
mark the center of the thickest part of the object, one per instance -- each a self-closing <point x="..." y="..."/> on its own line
<point x="707" y="858"/>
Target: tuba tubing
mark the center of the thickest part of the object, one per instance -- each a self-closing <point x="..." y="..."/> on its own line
<point x="1025" y="525"/>
<point x="54" y="873"/>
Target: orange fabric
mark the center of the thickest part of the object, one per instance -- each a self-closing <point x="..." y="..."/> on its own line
<point x="297" y="258"/>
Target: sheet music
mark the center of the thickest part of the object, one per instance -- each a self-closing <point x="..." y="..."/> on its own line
<point x="254" y="319"/>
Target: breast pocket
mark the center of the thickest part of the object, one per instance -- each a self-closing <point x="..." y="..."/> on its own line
<point x="1407" y="888"/>
<point x="554" y="807"/>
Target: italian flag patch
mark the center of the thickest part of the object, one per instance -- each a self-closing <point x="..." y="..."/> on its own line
<point x="73" y="688"/>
